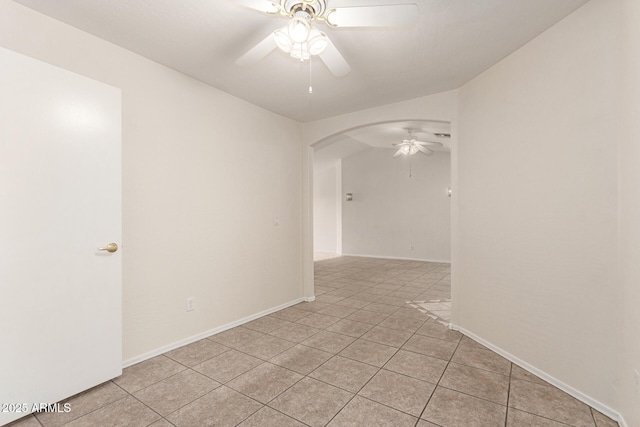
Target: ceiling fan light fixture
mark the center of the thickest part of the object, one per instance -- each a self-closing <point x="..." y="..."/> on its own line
<point x="289" y="39"/>
<point x="412" y="146"/>
<point x="303" y="14"/>
<point x="299" y="30"/>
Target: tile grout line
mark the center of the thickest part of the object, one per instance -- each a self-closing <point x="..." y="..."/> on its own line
<point x="440" y="379"/>
<point x="101" y="407"/>
<point x="96" y="409"/>
<point x="162" y="416"/>
<point x="506" y="416"/>
<point x="595" y="422"/>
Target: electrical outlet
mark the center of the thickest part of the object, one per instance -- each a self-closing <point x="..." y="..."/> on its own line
<point x="190" y="306"/>
<point x="276" y="221"/>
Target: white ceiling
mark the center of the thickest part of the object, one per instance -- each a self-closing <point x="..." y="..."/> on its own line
<point x="451" y="42"/>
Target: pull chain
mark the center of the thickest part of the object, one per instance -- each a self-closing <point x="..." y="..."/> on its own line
<point x="310" y="87"/>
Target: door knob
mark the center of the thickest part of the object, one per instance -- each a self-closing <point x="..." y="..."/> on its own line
<point x="111" y="247"/>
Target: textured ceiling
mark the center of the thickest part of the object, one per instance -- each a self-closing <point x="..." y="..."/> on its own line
<point x="451" y="42"/>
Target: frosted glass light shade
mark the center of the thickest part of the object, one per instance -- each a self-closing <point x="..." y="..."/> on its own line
<point x="283" y="40"/>
<point x="318" y="42"/>
<point x="298" y="30"/>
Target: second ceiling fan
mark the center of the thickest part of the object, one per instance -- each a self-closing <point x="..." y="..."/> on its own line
<point x="411" y="146"/>
<point x="301" y="39"/>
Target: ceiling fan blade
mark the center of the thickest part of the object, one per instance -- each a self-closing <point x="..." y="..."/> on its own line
<point x="399" y="152"/>
<point x="435" y="144"/>
<point x="258" y="52"/>
<point x="334" y="60"/>
<point x="424" y="150"/>
<point x="373" y="16"/>
<point x="267" y="6"/>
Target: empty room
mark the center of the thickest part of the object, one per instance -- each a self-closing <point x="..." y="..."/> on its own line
<point x="320" y="213"/>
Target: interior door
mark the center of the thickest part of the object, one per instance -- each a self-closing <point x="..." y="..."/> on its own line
<point x="60" y="185"/>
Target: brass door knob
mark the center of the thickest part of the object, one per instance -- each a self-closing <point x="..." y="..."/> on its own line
<point x="111" y="247"/>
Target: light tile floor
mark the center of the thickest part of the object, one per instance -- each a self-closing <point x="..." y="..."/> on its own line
<point x="357" y="356"/>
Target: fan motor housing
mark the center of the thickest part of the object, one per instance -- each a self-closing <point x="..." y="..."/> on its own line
<point x="317" y="7"/>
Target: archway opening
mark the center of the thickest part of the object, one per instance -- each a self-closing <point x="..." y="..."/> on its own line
<point x="368" y="204"/>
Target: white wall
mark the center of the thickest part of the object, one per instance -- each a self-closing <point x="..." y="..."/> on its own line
<point x="629" y="240"/>
<point x="327" y="210"/>
<point x="538" y="200"/>
<point x="197" y="215"/>
<point x="394" y="215"/>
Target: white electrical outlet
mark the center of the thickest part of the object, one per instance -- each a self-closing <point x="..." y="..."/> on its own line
<point x="190" y="306"/>
<point x="276" y="221"/>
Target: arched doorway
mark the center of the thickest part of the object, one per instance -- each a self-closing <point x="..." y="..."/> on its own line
<point x="399" y="208"/>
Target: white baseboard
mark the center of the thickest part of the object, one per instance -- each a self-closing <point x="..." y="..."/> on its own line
<point x="210" y="332"/>
<point x="548" y="378"/>
<point x="398" y="258"/>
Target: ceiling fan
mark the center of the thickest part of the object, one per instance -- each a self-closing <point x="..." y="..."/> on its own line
<point x="301" y="39"/>
<point x="411" y="146"/>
